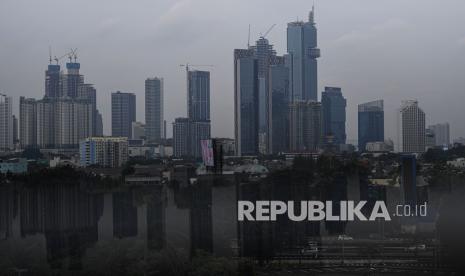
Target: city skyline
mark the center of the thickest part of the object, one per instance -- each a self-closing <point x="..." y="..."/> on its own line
<point x="386" y="81"/>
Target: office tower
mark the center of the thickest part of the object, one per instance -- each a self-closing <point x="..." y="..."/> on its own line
<point x="198" y="95"/>
<point x="305" y="120"/>
<point x="154" y="122"/>
<point x="123" y="113"/>
<point x="198" y="109"/>
<point x="279" y="113"/>
<point x="303" y="52"/>
<point x="71" y="81"/>
<point x="266" y="57"/>
<point x="138" y="130"/>
<point x="52" y="81"/>
<point x="88" y="92"/>
<point x="109" y="152"/>
<point x="370" y="123"/>
<point x="408" y="180"/>
<point x="181" y="137"/>
<point x="441" y="134"/>
<point x="198" y="131"/>
<point x="246" y="105"/>
<point x="411" y="124"/>
<point x="6" y="123"/>
<point x="27" y="122"/>
<point x="334" y="115"/>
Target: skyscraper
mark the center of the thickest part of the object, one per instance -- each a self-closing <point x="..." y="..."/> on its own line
<point x="370" y="123"/>
<point x="279" y="112"/>
<point x="27" y="122"/>
<point x="303" y="52"/>
<point x="6" y="123"/>
<point x="52" y="81"/>
<point x="181" y="139"/>
<point x="305" y="122"/>
<point x="154" y="109"/>
<point x="198" y="95"/>
<point x="198" y="131"/>
<point x="73" y="121"/>
<point x="198" y="109"/>
<point x="441" y="134"/>
<point x="411" y="124"/>
<point x="71" y="80"/>
<point x="123" y="113"/>
<point x="246" y="102"/>
<point x="88" y="92"/>
<point x="334" y="114"/>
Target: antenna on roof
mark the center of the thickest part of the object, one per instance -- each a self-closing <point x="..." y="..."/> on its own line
<point x="248" y="39"/>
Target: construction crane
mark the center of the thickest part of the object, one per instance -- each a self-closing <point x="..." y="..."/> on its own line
<point x="194" y="65"/>
<point x="268" y="31"/>
<point x="70" y="55"/>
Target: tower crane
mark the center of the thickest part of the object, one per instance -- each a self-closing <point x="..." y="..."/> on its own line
<point x="195" y="65"/>
<point x="268" y="31"/>
<point x="70" y="55"/>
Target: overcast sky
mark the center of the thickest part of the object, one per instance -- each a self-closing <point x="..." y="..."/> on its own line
<point x="384" y="49"/>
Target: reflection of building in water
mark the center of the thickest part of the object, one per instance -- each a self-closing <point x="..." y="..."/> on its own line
<point x="124" y="215"/>
<point x="7" y="211"/>
<point x="66" y="215"/>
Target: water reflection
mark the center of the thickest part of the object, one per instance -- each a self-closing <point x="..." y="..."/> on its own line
<point x="71" y="225"/>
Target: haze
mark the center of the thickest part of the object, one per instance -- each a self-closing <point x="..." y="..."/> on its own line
<point x="390" y="49"/>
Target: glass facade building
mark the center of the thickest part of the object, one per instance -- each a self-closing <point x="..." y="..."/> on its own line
<point x="370" y="123"/>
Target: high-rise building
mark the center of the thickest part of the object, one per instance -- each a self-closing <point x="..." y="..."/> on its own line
<point x="73" y="121"/>
<point x="98" y="125"/>
<point x="334" y="115"/>
<point x="15" y="130"/>
<point x="198" y="110"/>
<point x="198" y="95"/>
<point x="88" y="92"/>
<point x="246" y="102"/>
<point x="27" y="122"/>
<point x="71" y="81"/>
<point x="303" y="52"/>
<point x="370" y="123"/>
<point x="266" y="57"/>
<point x="123" y="113"/>
<point x="52" y="81"/>
<point x="198" y="131"/>
<point x="45" y="123"/>
<point x="181" y="137"/>
<point x="279" y="113"/>
<point x="154" y="122"/>
<point x="109" y="152"/>
<point x="138" y="130"/>
<point x="441" y="134"/>
<point x="305" y="122"/>
<point x="6" y="123"/>
<point x="411" y="124"/>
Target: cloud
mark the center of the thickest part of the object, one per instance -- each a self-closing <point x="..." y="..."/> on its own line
<point x="461" y="41"/>
<point x="358" y="36"/>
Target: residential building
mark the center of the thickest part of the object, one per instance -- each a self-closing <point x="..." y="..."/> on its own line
<point x="108" y="152"/>
<point x="154" y="120"/>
